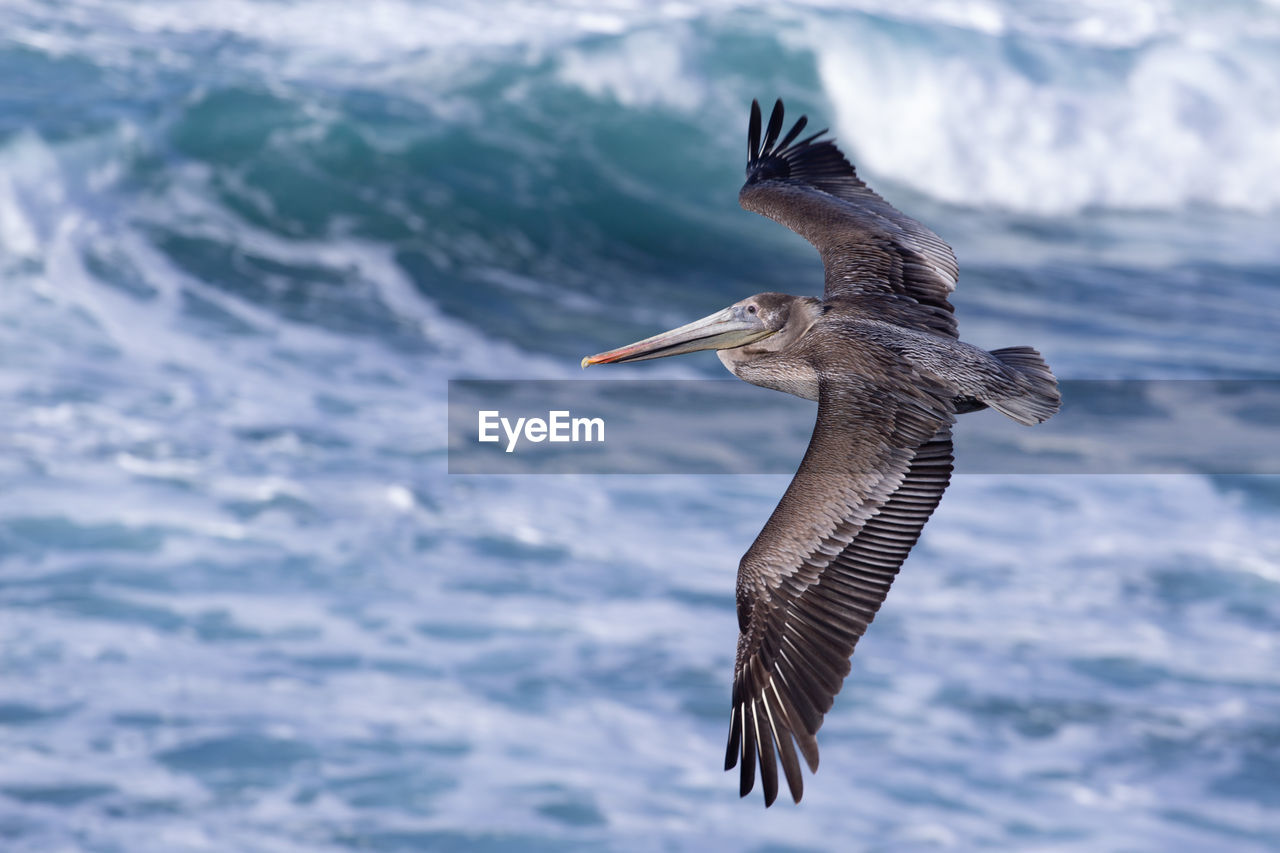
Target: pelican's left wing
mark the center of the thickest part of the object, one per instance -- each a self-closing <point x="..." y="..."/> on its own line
<point x="809" y="586"/>
<point x="871" y="250"/>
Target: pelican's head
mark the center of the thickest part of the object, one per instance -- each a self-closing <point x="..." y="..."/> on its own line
<point x="741" y="324"/>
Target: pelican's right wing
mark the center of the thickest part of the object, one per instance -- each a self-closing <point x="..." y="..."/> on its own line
<point x="813" y="580"/>
<point x="870" y="249"/>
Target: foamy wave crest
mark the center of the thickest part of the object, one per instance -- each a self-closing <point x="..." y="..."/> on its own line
<point x="642" y="69"/>
<point x="1052" y="126"/>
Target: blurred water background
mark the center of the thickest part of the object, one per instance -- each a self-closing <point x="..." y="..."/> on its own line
<point x="244" y="245"/>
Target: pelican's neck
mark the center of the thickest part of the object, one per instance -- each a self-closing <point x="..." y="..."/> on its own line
<point x="775" y="362"/>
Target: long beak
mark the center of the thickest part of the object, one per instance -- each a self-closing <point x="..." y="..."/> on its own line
<point x="722" y="330"/>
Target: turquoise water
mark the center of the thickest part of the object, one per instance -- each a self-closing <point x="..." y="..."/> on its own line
<point x="243" y="246"/>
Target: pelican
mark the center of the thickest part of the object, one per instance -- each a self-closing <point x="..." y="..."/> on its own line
<point x="879" y="352"/>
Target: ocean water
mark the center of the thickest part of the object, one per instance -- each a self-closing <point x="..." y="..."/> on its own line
<point x="245" y="245"/>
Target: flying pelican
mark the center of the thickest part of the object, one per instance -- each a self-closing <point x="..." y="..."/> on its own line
<point x="880" y="355"/>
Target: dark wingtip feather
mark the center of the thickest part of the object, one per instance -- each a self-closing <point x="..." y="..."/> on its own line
<point x="768" y="763"/>
<point x="753" y="132"/>
<point x="775" y="125"/>
<point x="735" y="739"/>
<point x="747" y="780"/>
<point x="790" y="764"/>
<point x="808" y="140"/>
<point x="793" y="132"/>
<point x="809" y="749"/>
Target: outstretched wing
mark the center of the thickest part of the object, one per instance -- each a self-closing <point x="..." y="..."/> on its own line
<point x="870" y="249"/>
<point x="813" y="580"/>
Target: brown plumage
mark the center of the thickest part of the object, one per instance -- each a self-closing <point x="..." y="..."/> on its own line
<point x="880" y="354"/>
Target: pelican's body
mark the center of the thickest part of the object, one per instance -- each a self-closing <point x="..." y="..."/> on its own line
<point x="880" y="355"/>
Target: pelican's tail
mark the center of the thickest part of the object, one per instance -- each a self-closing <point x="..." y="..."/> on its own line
<point x="1039" y="398"/>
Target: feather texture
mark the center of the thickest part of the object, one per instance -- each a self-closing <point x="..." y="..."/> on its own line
<point x="871" y="251"/>
<point x="877" y="465"/>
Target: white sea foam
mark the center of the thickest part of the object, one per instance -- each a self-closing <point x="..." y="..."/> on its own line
<point x="643" y="69"/>
<point x="30" y="188"/>
<point x="974" y="120"/>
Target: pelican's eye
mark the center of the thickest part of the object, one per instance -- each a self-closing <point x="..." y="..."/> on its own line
<point x="751" y="309"/>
